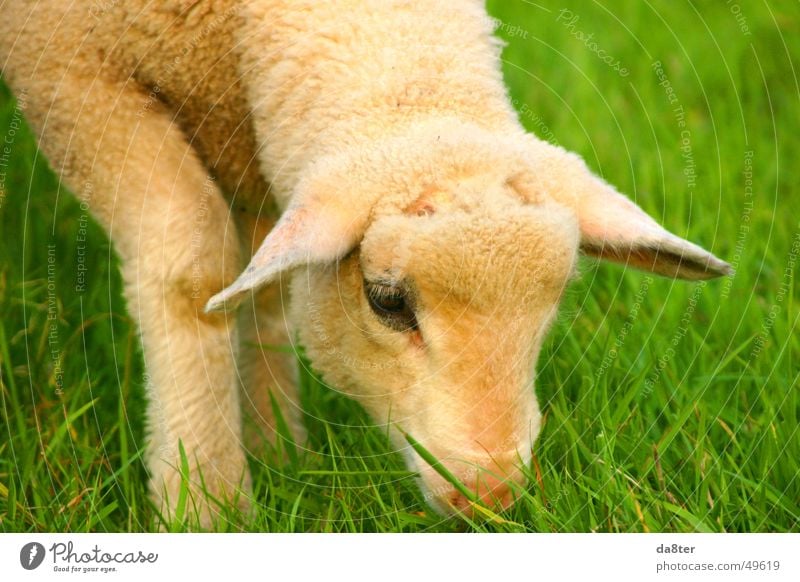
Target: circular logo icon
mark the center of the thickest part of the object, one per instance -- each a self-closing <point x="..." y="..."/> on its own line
<point x="31" y="555"/>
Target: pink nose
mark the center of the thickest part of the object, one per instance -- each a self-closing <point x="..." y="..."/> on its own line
<point x="493" y="488"/>
<point x="490" y="491"/>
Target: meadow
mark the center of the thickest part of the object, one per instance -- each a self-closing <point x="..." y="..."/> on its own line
<point x="668" y="406"/>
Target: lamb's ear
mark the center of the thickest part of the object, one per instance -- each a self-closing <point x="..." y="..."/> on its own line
<point x="614" y="228"/>
<point x="309" y="232"/>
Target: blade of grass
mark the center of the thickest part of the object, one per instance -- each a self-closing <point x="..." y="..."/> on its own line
<point x="437" y="466"/>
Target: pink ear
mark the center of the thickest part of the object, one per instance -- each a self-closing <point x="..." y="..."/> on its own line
<point x="315" y="232"/>
<point x="612" y="227"/>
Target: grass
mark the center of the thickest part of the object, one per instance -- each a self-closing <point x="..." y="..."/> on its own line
<point x="669" y="406"/>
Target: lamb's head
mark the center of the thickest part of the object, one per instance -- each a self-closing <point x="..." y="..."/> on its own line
<point x="429" y="285"/>
<point x="451" y="308"/>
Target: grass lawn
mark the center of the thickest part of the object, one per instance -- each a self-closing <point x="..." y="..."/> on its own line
<point x="669" y="406"/>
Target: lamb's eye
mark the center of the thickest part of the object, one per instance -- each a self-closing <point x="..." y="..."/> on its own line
<point x="390" y="303"/>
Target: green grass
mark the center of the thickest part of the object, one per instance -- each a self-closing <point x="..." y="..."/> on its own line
<point x="669" y="406"/>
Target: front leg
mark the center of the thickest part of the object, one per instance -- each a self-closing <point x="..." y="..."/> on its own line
<point x="187" y="249"/>
<point x="121" y="153"/>
<point x="193" y="400"/>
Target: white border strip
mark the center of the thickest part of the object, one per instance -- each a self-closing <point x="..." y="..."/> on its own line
<point x="388" y="557"/>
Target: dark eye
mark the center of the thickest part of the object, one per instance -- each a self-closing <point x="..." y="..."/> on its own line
<point x="390" y="303"/>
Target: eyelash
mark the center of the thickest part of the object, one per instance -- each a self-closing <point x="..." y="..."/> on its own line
<point x="381" y="291"/>
<point x="398" y="317"/>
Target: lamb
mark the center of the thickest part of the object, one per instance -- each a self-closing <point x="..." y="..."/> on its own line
<point x="366" y="159"/>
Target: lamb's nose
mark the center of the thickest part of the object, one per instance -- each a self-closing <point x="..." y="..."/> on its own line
<point x="492" y="488"/>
